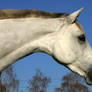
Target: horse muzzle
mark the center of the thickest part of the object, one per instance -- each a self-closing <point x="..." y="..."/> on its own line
<point x="89" y="77"/>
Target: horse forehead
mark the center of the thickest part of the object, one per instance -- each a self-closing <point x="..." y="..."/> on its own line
<point x="79" y="26"/>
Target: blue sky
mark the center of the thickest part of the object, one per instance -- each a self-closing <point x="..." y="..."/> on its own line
<point x="25" y="68"/>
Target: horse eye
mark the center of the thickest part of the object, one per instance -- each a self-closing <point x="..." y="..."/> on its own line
<point x="82" y="38"/>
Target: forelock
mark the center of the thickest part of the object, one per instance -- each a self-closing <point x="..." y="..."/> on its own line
<point x="79" y="25"/>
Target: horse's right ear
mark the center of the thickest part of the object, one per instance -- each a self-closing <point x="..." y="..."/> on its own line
<point x="72" y="17"/>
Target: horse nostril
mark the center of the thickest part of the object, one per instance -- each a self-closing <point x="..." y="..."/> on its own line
<point x="89" y="74"/>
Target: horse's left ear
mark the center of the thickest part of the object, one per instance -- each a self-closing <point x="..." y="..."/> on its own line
<point x="72" y="17"/>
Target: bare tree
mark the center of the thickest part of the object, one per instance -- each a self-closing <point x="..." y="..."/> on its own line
<point x="2" y="87"/>
<point x="72" y="83"/>
<point x="10" y="81"/>
<point x="39" y="82"/>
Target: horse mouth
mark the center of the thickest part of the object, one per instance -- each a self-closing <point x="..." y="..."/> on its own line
<point x="88" y="81"/>
<point x="89" y="77"/>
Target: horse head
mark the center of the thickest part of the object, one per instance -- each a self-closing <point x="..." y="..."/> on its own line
<point x="72" y="48"/>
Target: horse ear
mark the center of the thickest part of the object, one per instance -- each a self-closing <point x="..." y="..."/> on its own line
<point x="72" y="17"/>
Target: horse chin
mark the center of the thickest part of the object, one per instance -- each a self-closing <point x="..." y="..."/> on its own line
<point x="86" y="75"/>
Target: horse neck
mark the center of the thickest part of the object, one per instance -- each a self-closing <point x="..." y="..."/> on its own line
<point x="39" y="35"/>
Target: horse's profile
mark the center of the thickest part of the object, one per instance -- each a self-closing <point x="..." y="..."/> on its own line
<point x="60" y="35"/>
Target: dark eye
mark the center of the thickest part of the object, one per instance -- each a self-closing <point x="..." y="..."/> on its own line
<point x="82" y="38"/>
